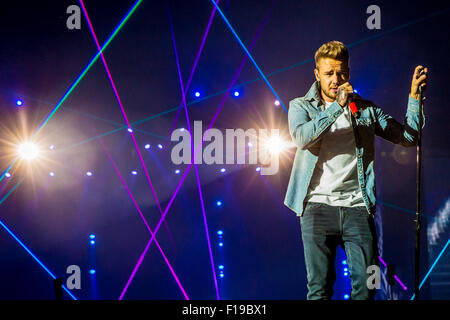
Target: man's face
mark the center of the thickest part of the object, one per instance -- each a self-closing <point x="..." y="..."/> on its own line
<point x="331" y="73"/>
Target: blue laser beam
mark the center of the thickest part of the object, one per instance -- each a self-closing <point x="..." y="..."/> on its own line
<point x="249" y="55"/>
<point x="34" y="257"/>
<point x="432" y="267"/>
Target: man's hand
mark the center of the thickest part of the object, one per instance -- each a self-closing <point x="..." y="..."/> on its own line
<point x="344" y="91"/>
<point x="419" y="79"/>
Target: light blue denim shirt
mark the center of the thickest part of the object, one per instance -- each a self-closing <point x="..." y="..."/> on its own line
<point x="309" y="120"/>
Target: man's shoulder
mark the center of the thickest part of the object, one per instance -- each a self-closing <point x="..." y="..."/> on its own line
<point x="299" y="101"/>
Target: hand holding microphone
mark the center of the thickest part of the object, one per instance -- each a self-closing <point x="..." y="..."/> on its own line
<point x="344" y="96"/>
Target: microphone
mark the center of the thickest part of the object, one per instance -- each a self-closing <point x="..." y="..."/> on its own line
<point x="351" y="103"/>
<point x="353" y="107"/>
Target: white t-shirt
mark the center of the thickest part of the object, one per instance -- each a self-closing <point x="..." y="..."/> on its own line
<point x="335" y="178"/>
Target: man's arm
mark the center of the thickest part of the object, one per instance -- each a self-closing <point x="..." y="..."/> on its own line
<point x="406" y="135"/>
<point x="306" y="131"/>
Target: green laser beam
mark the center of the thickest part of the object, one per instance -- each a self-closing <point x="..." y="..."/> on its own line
<point x="89" y="66"/>
<point x="11" y="191"/>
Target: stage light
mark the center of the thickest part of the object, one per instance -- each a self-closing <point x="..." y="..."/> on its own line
<point x="223" y="170"/>
<point x="250" y="144"/>
<point x="345" y="273"/>
<point x="92" y="271"/>
<point x="220" y="244"/>
<point x="221" y="267"/>
<point x="275" y="145"/>
<point x="344" y="261"/>
<point x="221" y="275"/>
<point x="236" y="93"/>
<point x="28" y="151"/>
<point x="182" y="129"/>
<point x="355" y="91"/>
<point x="19" y="102"/>
<point x="177" y="171"/>
<point x="92" y="236"/>
<point x="51" y="147"/>
<point x="8" y="175"/>
<point x="89" y="173"/>
<point x="346" y="297"/>
<point x="218" y="203"/>
<point x="277" y="103"/>
<point x="345" y="269"/>
<point x="197" y="94"/>
<point x="52" y="174"/>
<point x="147" y="146"/>
<point x="130" y="130"/>
<point x="258" y="169"/>
<point x="134" y="172"/>
<point x="220" y="232"/>
<point x="160" y="146"/>
<point x="92" y="242"/>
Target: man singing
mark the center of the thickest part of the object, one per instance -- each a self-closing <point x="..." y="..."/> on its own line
<point x="332" y="183"/>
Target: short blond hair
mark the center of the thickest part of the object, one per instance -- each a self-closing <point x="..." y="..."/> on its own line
<point x="333" y="49"/>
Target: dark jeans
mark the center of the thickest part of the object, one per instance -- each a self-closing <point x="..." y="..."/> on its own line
<point x="325" y="227"/>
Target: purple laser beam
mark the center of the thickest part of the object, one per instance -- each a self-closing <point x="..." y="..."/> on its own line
<point x="144" y="220"/>
<point x="195" y="165"/>
<point x="116" y="93"/>
<point x="226" y="95"/>
<point x="194" y="67"/>
<point x="395" y="277"/>
<point x="119" y="101"/>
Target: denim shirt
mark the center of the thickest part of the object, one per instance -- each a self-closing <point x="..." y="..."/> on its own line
<point x="309" y="120"/>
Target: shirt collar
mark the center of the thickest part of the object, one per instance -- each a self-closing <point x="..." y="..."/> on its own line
<point x="314" y="93"/>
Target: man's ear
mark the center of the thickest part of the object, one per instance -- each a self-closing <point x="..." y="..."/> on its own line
<point x="316" y="73"/>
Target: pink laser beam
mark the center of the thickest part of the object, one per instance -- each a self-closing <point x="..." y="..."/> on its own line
<point x="395" y="277"/>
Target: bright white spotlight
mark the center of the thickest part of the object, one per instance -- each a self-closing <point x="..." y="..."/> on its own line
<point x="277" y="103"/>
<point x="28" y="151"/>
<point x="275" y="145"/>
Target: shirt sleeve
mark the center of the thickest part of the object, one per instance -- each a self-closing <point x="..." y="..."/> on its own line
<point x="403" y="134"/>
<point x="306" y="131"/>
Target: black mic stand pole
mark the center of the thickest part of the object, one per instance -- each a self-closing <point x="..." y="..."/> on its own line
<point x="419" y="164"/>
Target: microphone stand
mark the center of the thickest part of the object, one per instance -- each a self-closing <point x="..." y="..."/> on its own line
<point x="417" y="226"/>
